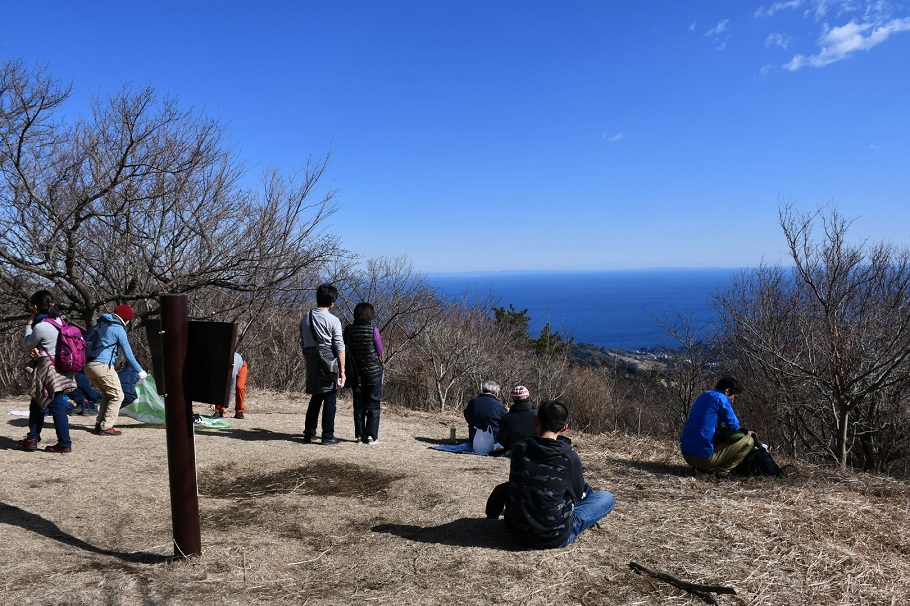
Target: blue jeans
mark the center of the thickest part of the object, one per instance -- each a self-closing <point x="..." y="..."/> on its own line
<point x="58" y="413"/>
<point x="327" y="402"/>
<point x="367" y="397"/>
<point x="589" y="511"/>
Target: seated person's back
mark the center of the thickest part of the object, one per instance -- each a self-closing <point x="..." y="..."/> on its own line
<point x="518" y="425"/>
<point x="548" y="504"/>
<point x="486" y="410"/>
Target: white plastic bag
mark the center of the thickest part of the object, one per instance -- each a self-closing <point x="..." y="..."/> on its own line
<point x="483" y="441"/>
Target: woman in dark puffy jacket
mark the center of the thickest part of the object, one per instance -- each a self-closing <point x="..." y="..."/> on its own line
<point x="364" y="346"/>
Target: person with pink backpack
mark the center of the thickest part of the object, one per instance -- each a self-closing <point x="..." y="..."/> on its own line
<point x="51" y="380"/>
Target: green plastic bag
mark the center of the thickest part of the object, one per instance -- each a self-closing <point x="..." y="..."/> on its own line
<point x="210" y="423"/>
<point x="148" y="407"/>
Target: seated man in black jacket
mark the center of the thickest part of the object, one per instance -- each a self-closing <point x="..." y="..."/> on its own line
<point x="518" y="425"/>
<point x="547" y="503"/>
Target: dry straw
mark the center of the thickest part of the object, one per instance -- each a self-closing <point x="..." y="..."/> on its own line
<point x="288" y="523"/>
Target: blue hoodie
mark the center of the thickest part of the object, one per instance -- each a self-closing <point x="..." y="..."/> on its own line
<point x="106" y="340"/>
<point x="710" y="412"/>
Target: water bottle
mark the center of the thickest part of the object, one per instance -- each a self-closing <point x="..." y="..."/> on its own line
<point x="452" y="431"/>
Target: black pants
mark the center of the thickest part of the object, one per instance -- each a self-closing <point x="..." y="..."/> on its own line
<point x="327" y="402"/>
<point x="496" y="503"/>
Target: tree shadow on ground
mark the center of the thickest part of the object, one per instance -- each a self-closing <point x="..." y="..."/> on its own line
<point x="466" y="532"/>
<point x="246" y="435"/>
<point x="656" y="467"/>
<point x="251" y="435"/>
<point x="15" y="516"/>
<point x="19" y="422"/>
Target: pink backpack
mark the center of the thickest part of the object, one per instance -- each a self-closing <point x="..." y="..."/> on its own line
<point x="70" y="357"/>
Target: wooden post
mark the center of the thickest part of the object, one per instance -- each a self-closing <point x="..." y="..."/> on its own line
<point x="178" y="414"/>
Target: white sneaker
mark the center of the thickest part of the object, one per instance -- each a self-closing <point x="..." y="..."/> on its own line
<point x="372" y="441"/>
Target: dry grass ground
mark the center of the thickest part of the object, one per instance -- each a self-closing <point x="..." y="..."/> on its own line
<point x="400" y="523"/>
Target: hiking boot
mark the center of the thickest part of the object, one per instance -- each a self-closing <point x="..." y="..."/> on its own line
<point x="238" y="415"/>
<point x="29" y="444"/>
<point x="217" y="415"/>
<point x="97" y="427"/>
<point x="329" y="441"/>
<point x="307" y="440"/>
<point x="60" y="449"/>
<point x="108" y="432"/>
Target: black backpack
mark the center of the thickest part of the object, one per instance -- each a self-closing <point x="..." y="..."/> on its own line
<point x="758" y="462"/>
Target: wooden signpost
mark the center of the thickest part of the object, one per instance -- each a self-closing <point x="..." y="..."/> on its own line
<point x="192" y="361"/>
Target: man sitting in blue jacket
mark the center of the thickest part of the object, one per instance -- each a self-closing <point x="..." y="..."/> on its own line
<point x="713" y="440"/>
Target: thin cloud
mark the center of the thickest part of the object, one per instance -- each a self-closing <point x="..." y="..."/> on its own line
<point x="718" y="29"/>
<point x="839" y="43"/>
<point x="777" y="40"/>
<point x="777" y="7"/>
<point x="720" y="33"/>
<point x="873" y="10"/>
<point x="612" y="138"/>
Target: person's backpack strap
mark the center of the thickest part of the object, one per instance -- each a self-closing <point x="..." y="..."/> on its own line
<point x="313" y="329"/>
<point x="59" y="328"/>
<point x="328" y="361"/>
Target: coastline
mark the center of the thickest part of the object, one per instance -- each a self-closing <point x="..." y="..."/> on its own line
<point x="613" y="309"/>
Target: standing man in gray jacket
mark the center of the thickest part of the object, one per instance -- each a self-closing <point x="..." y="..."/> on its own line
<point x="320" y="327"/>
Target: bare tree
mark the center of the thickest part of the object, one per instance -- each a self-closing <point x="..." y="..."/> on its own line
<point x="405" y="301"/>
<point x="141" y="199"/>
<point x="832" y="333"/>
<point x="689" y="365"/>
<point x="456" y="349"/>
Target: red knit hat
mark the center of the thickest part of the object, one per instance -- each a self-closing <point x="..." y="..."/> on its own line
<point x="520" y="392"/>
<point x="124" y="311"/>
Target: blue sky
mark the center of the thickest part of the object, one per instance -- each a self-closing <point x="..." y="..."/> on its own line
<point x="492" y="135"/>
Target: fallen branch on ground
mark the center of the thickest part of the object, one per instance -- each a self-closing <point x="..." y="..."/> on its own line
<point x="694" y="588"/>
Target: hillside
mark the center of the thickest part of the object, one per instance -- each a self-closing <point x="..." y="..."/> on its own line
<point x="400" y="523"/>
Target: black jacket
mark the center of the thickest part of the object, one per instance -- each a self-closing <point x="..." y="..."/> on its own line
<point x="545" y="480"/>
<point x="361" y="351"/>
<point x="517" y="425"/>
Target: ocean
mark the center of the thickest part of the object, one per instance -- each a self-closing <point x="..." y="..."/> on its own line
<point x="605" y="308"/>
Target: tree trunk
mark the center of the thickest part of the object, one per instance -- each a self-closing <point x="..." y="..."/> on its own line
<point x="841" y="445"/>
